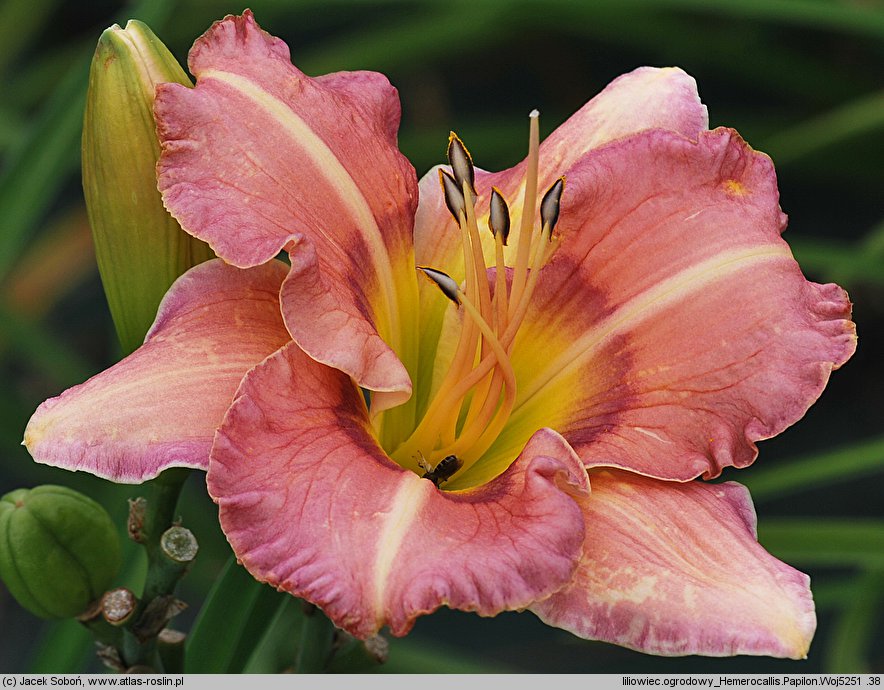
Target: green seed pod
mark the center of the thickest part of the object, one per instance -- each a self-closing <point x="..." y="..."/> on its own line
<point x="59" y="550"/>
<point x="140" y="248"/>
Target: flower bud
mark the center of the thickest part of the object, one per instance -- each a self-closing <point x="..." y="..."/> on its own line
<point x="59" y="550"/>
<point x="140" y="248"/>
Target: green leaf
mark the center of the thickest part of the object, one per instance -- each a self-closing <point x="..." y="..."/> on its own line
<point x="52" y="357"/>
<point x="847" y="17"/>
<point x="849" y="121"/>
<point x="850" y="640"/>
<point x="841" y="262"/>
<point x="314" y="648"/>
<point x="49" y="153"/>
<point x="821" y="542"/>
<point x="267" y="604"/>
<point x="19" y="23"/>
<point x="818" y="470"/>
<point x="275" y="652"/>
<point x="35" y="177"/>
<point x="408" y="655"/>
<point x="384" y="44"/>
<point x="227" y="629"/>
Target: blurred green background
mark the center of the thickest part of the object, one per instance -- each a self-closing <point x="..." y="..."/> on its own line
<point x="802" y="80"/>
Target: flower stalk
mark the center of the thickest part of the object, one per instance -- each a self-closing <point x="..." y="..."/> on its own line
<point x="141" y="638"/>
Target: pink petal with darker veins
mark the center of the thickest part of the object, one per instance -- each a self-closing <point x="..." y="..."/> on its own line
<point x="676" y="327"/>
<point x="313" y="506"/>
<point x="674" y="569"/>
<point x="646" y="98"/>
<point x="259" y="157"/>
<point x="160" y="406"/>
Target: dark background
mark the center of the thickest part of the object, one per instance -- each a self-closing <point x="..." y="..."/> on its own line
<point x="800" y="79"/>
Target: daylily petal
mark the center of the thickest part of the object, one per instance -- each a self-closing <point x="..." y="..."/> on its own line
<point x="675" y="569"/>
<point x="645" y="98"/>
<point x="312" y="505"/>
<point x="259" y="157"/>
<point x="160" y="406"/>
<point x="327" y="324"/>
<point x="676" y="327"/>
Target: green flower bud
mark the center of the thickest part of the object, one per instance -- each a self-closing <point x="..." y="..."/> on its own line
<point x="140" y="248"/>
<point x="59" y="550"/>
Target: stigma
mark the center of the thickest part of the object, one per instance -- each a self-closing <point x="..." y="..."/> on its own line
<point x="477" y="393"/>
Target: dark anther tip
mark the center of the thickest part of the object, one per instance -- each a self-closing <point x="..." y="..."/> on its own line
<point x="461" y="163"/>
<point x="549" y="206"/>
<point x="499" y="216"/>
<point x="444" y="282"/>
<point x="453" y="194"/>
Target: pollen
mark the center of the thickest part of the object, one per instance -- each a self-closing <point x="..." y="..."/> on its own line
<point x="735" y="188"/>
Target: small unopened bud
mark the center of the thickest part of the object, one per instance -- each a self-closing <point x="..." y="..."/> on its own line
<point x="140" y="248"/>
<point x="444" y="281"/>
<point x="549" y="206"/>
<point x="461" y="164"/>
<point x="59" y="550"/>
<point x="499" y="216"/>
<point x="118" y="605"/>
<point x="179" y="545"/>
<point x="453" y="194"/>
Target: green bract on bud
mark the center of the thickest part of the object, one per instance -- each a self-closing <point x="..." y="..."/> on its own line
<point x="141" y="249"/>
<point x="59" y="550"/>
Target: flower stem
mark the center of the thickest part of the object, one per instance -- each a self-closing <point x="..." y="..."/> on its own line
<point x="170" y="550"/>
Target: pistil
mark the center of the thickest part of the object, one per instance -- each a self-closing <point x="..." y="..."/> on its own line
<point x="529" y="203"/>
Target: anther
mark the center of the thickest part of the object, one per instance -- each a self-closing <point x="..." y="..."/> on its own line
<point x="499" y="216"/>
<point x="444" y="281"/>
<point x="461" y="163"/>
<point x="453" y="193"/>
<point x="549" y="207"/>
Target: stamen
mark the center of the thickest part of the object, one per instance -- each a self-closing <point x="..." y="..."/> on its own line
<point x="444" y="281"/>
<point x="499" y="223"/>
<point x="503" y="363"/>
<point x="549" y="207"/>
<point x="450" y="396"/>
<point x="522" y="307"/>
<point x="499" y="216"/>
<point x="468" y="340"/>
<point x="482" y="288"/>
<point x="461" y="163"/>
<point x="486" y="397"/>
<point x="453" y="194"/>
<point x="475" y="398"/>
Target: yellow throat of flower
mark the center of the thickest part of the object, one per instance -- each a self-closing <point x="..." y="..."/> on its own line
<point x="475" y="399"/>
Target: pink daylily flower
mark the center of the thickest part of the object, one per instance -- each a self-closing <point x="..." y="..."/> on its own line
<point x="584" y="376"/>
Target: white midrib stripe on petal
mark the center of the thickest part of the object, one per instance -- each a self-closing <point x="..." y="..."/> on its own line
<point x="330" y="167"/>
<point x="679" y="287"/>
<point x="411" y="496"/>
